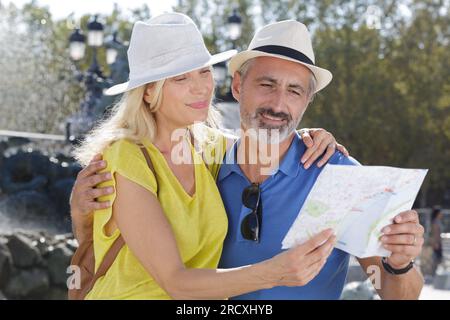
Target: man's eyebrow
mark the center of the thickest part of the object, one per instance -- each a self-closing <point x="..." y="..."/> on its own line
<point x="274" y="81"/>
<point x="267" y="78"/>
<point x="297" y="86"/>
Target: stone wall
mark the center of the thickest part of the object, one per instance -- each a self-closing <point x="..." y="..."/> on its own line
<point x="33" y="265"/>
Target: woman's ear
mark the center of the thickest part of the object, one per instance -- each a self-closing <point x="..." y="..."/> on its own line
<point x="148" y="93"/>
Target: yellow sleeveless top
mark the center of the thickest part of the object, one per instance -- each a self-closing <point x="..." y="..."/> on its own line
<point x="199" y="223"/>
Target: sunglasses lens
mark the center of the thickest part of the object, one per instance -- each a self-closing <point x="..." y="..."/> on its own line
<point x="250" y="196"/>
<point x="250" y="227"/>
<point x="251" y="224"/>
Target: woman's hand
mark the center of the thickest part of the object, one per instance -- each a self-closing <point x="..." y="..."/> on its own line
<point x="317" y="141"/>
<point x="299" y="265"/>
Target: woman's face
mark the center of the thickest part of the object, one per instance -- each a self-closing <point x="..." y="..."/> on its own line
<point x="186" y="98"/>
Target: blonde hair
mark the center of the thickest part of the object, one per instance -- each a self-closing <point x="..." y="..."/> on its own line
<point x="132" y="118"/>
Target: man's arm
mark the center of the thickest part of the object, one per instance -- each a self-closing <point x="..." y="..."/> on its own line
<point x="404" y="238"/>
<point x="83" y="198"/>
<point x="394" y="287"/>
<point x="318" y="142"/>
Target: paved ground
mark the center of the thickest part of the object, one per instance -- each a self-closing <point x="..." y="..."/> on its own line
<point x="429" y="293"/>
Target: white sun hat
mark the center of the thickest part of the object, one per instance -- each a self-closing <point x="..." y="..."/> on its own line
<point x="166" y="46"/>
<point x="288" y="40"/>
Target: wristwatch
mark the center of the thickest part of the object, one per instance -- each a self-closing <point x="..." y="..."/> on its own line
<point x="394" y="271"/>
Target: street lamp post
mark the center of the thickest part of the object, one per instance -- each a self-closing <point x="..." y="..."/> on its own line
<point x="77" y="45"/>
<point x="95" y="40"/>
<point x="112" y="48"/>
<point x="234" y="27"/>
<point x="94" y="80"/>
<point x="220" y="77"/>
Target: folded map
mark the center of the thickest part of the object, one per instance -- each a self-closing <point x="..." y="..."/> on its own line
<point x="357" y="202"/>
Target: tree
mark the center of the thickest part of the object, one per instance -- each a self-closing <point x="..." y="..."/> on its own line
<point x="389" y="98"/>
<point x="38" y="86"/>
<point x="211" y="17"/>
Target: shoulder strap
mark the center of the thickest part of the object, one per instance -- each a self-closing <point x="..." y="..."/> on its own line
<point x="147" y="158"/>
<point x="108" y="260"/>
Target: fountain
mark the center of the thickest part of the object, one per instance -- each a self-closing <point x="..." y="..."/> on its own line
<point x="39" y="94"/>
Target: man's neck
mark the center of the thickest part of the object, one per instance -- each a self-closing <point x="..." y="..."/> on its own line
<point x="257" y="160"/>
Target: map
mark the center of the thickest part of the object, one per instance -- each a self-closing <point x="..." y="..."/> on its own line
<point x="356" y="202"/>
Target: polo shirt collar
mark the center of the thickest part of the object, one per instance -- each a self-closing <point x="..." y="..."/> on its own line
<point x="230" y="163"/>
<point x="290" y="165"/>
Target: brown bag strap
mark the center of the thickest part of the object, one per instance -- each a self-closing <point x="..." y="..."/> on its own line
<point x="118" y="244"/>
<point x="147" y="158"/>
<point x="108" y="260"/>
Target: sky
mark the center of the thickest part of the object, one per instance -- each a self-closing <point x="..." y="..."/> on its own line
<point x="61" y="8"/>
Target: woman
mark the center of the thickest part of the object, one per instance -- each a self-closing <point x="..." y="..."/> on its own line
<point x="173" y="220"/>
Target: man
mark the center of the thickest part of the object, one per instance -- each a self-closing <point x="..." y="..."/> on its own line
<point x="274" y="81"/>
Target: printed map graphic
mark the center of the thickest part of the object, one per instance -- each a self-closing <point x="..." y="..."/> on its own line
<point x="357" y="202"/>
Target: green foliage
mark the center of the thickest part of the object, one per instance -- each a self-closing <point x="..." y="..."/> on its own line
<point x="389" y="101"/>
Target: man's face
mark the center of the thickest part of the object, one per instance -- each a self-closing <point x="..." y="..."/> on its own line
<point x="273" y="95"/>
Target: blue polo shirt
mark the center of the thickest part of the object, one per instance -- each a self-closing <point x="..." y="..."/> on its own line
<point x="282" y="196"/>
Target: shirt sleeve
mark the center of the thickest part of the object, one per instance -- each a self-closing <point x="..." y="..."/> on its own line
<point x="339" y="158"/>
<point x="126" y="158"/>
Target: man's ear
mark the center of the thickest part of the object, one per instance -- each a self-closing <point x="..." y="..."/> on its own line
<point x="236" y="86"/>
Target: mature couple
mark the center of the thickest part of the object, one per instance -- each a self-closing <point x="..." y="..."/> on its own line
<point x="213" y="229"/>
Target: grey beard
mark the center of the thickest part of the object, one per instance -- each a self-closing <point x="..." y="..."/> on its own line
<point x="268" y="134"/>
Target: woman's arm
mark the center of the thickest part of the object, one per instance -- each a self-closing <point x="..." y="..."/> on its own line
<point x="148" y="234"/>
<point x="84" y="195"/>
